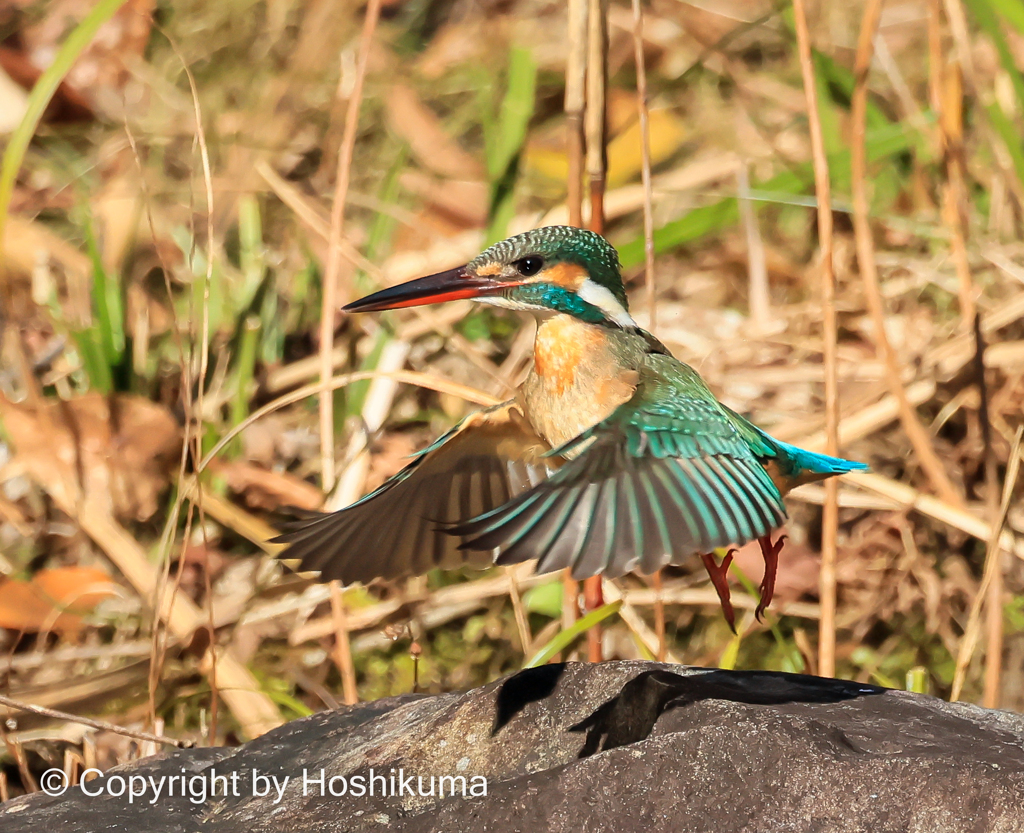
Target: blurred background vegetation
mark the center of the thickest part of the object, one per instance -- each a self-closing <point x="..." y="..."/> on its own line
<point x="165" y="245"/>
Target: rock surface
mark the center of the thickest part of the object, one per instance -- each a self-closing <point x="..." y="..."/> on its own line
<point x="619" y="746"/>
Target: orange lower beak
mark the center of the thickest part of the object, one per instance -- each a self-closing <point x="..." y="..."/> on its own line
<point x="453" y="285"/>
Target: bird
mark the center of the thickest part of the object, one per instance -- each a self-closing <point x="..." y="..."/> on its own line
<point x="612" y="457"/>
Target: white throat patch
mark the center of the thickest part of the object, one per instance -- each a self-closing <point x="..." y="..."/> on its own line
<point x="602" y="298"/>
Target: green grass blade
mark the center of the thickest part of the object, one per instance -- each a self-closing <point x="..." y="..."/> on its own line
<point x="504" y="140"/>
<point x="1011" y="10"/>
<point x="383" y="227"/>
<point x="244" y="373"/>
<point x="107" y="304"/>
<point x="787" y="647"/>
<point x="250" y="251"/>
<point x="43" y="91"/>
<point x="93" y="358"/>
<point x="993" y="27"/>
<point x="917" y="679"/>
<point x="711" y="219"/>
<point x="563" y="639"/>
<point x="507" y="136"/>
<point x="1008" y="133"/>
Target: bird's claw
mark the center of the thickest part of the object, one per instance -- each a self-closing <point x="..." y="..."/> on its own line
<point x="770" y="552"/>
<point x="718" y="572"/>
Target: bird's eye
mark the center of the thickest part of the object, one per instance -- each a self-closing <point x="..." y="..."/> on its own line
<point x="529" y="266"/>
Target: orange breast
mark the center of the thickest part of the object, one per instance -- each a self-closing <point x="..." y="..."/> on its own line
<point x="562" y="343"/>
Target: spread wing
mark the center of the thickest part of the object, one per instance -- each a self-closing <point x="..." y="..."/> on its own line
<point x="667" y="474"/>
<point x="483" y="463"/>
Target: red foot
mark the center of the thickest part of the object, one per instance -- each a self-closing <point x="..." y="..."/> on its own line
<point x="718" y="572"/>
<point x="770" y="552"/>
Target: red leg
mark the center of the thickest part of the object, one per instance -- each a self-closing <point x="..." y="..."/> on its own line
<point x="770" y="553"/>
<point x="718" y="572"/>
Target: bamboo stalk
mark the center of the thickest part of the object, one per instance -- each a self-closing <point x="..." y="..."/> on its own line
<point x="333" y="268"/>
<point x="830" y="519"/>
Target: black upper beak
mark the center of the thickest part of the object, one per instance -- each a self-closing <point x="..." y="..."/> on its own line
<point x="453" y="285"/>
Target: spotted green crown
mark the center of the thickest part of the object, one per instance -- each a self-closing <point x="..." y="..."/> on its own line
<point x="563" y="244"/>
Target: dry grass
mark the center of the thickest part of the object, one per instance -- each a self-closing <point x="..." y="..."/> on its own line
<point x="168" y="251"/>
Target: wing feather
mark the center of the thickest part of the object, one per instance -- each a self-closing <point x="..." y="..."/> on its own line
<point x="493" y="456"/>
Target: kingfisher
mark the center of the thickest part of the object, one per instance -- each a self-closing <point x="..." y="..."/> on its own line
<point x="613" y="455"/>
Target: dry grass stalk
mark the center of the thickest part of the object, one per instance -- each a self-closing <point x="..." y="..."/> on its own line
<point x="254" y="710"/>
<point x="648" y="210"/>
<point x="522" y="622"/>
<point x="102" y="725"/>
<point x="333" y="266"/>
<point x="830" y="520"/>
<point x="411" y="377"/>
<point x="651" y="641"/>
<point x="994" y="605"/>
<point x="935" y="55"/>
<point x="596" y="115"/>
<point x="645" y="161"/>
<point x="376" y="406"/>
<point x="158" y="637"/>
<point x="954" y="190"/>
<point x="759" y="301"/>
<point x="575" y="110"/>
<point x="907" y="497"/>
<point x="657" y="585"/>
<point x="575" y="104"/>
<point x="916" y="432"/>
<point x="992" y="568"/>
<point x="597" y="138"/>
<point x="204" y="363"/>
<point x="342" y="645"/>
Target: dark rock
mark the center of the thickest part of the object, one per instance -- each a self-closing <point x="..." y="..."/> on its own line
<point x="620" y="746"/>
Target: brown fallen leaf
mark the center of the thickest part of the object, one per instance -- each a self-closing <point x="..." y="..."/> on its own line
<point x="265" y="489"/>
<point x="105" y="65"/>
<point x="53" y="600"/>
<point x="113" y="454"/>
<point x="433" y="148"/>
<point x="463" y="200"/>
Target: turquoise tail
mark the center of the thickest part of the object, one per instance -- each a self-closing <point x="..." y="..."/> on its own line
<point x="802" y="461"/>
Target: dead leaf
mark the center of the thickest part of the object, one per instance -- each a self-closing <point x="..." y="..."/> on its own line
<point x="545" y="152"/>
<point x="104" y="67"/>
<point x="265" y="489"/>
<point x="113" y="454"/>
<point x="13" y="103"/>
<point x="461" y="199"/>
<point x="53" y="600"/>
<point x="433" y="148"/>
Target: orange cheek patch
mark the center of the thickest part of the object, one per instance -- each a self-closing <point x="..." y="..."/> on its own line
<point x="490" y="270"/>
<point x="569" y="275"/>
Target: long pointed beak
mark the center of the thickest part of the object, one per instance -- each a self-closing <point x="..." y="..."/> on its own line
<point x="453" y="285"/>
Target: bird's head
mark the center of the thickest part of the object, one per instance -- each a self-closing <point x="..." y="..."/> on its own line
<point x="555" y="269"/>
